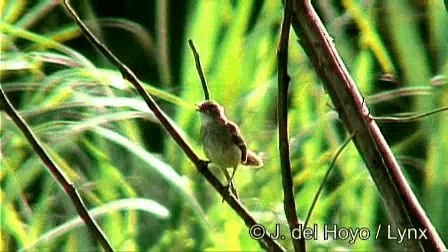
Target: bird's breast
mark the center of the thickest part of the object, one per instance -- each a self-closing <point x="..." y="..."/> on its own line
<point x="218" y="145"/>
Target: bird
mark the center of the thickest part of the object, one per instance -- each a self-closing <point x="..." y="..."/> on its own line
<point x="223" y="143"/>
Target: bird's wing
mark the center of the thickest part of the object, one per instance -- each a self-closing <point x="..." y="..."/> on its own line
<point x="238" y="139"/>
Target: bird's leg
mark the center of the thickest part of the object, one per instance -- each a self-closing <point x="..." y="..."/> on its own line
<point x="232" y="182"/>
<point x="231" y="185"/>
<point x="233" y="174"/>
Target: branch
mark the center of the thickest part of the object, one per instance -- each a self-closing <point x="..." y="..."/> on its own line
<point x="282" y="107"/>
<point x="266" y="241"/>
<point x="199" y="68"/>
<point x="57" y="173"/>
<point x="403" y="206"/>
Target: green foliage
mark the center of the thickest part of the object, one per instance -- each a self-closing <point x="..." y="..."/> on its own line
<point x="103" y="137"/>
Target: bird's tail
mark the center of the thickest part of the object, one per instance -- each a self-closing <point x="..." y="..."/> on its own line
<point x="253" y="159"/>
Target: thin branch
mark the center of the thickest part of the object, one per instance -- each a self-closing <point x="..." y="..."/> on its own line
<point x="266" y="241"/>
<point x="57" y="173"/>
<point x="282" y="107"/>
<point x="402" y="205"/>
<point x="199" y="68"/>
<point x="330" y="168"/>
<point x="407" y="119"/>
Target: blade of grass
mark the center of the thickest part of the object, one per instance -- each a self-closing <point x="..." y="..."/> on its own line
<point x="144" y="205"/>
<point x="59" y="176"/>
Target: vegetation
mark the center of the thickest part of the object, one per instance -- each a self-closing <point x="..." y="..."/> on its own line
<point x="144" y="191"/>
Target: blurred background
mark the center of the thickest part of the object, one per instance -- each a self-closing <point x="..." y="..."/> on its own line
<point x="146" y="194"/>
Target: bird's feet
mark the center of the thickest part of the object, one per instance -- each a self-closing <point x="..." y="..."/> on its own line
<point x="230" y="189"/>
<point x="204" y="164"/>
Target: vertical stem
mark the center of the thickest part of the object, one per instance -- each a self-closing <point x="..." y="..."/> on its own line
<point x="163" y="41"/>
<point x="282" y="107"/>
<point x="199" y="69"/>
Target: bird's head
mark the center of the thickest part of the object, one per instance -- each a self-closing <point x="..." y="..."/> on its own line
<point x="211" y="109"/>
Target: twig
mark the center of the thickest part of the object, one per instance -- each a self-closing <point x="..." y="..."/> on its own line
<point x="406" y="119"/>
<point x="199" y="68"/>
<point x="57" y="173"/>
<point x="330" y="168"/>
<point x="266" y="241"/>
<point x="282" y="107"/>
<point x="404" y="209"/>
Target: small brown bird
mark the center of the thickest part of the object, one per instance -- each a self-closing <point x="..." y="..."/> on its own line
<point x="222" y="141"/>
